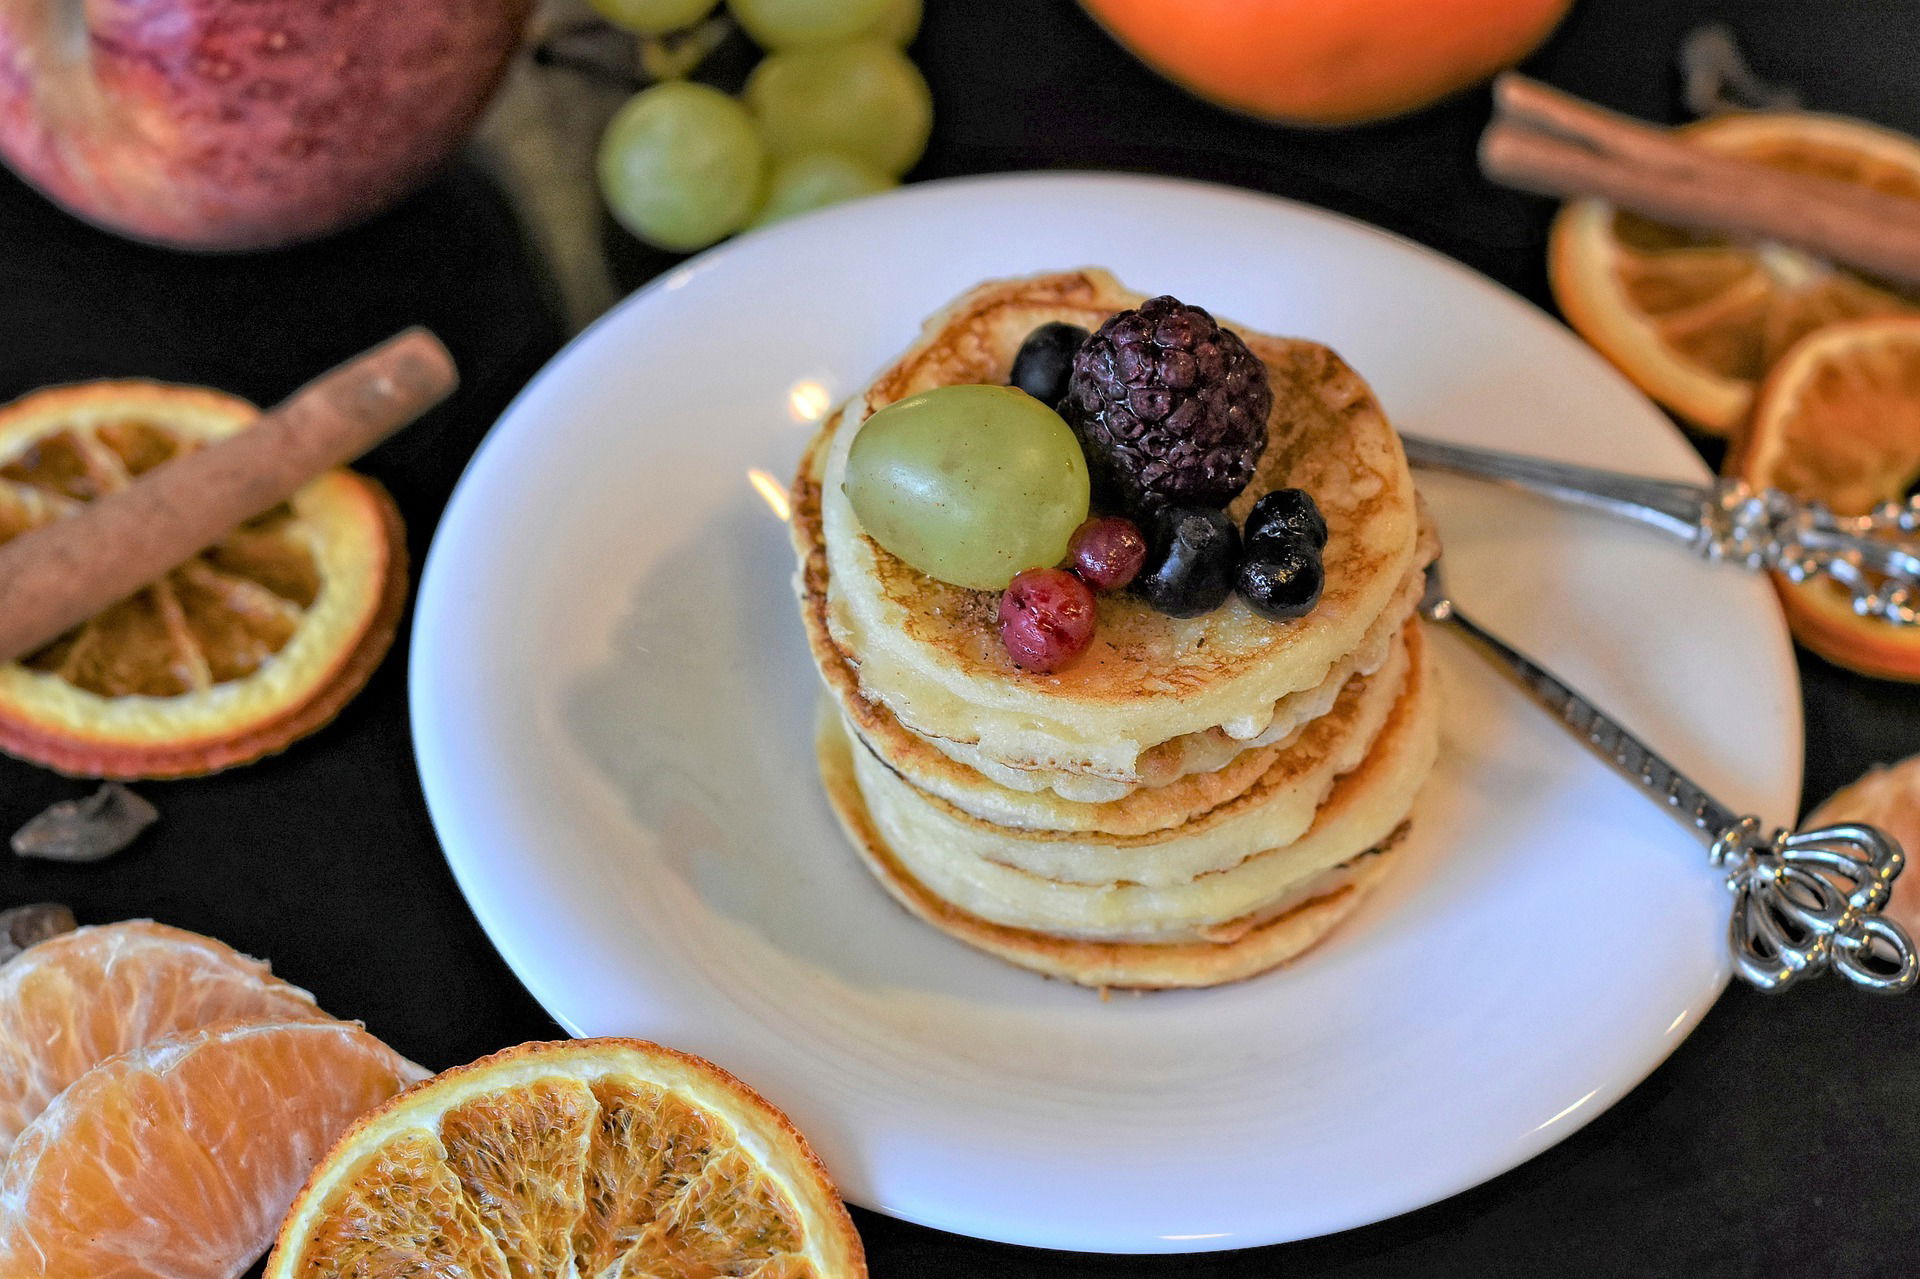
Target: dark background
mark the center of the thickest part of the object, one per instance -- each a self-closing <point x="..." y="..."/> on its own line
<point x="1783" y="1137"/>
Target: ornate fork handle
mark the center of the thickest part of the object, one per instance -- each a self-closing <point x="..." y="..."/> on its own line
<point x="1803" y="902"/>
<point x="1876" y="557"/>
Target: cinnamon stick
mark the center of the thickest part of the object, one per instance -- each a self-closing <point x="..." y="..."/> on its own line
<point x="56" y="576"/>
<point x="1554" y="144"/>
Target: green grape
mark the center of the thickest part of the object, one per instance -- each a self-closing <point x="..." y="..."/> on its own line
<point x="789" y="24"/>
<point x="806" y="182"/>
<point x="861" y="99"/>
<point x="654" y="17"/>
<point x="682" y="166"/>
<point x="898" y="25"/>
<point x="969" y="484"/>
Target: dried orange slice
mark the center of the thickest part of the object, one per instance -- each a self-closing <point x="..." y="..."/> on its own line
<point x="72" y="1001"/>
<point x="599" y="1157"/>
<point x="179" y="1159"/>
<point x="258" y="641"/>
<point x="1887" y="797"/>
<point x="1838" y="420"/>
<point x="1695" y="320"/>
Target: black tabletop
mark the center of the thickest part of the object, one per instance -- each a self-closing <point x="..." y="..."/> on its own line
<point x="1782" y="1137"/>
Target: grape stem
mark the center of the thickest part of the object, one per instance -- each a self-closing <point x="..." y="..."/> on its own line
<point x="601" y="51"/>
<point x="678" y="54"/>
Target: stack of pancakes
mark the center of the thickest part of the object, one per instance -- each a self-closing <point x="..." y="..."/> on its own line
<point x="1193" y="801"/>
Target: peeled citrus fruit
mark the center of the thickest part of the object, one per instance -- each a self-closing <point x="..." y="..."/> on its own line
<point x="70" y="1002"/>
<point x="178" y="1160"/>
<point x="1697" y="320"/>
<point x="1310" y="62"/>
<point x="246" y="647"/>
<point x="1889" y="798"/>
<point x="599" y="1157"/>
<point x="1838" y="421"/>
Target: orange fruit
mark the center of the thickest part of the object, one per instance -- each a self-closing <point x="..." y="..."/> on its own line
<point x="72" y="1001"/>
<point x="1887" y="797"/>
<point x="246" y="647"/>
<point x="1838" y="421"/>
<point x="1696" y="320"/>
<point x="178" y="1159"/>
<point x="1310" y="62"/>
<point x="598" y="1157"/>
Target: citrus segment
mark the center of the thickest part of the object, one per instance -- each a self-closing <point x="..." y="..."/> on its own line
<point x="1838" y="421"/>
<point x="1887" y="797"/>
<point x="725" y="1216"/>
<point x="403" y="1206"/>
<point x="258" y="640"/>
<point x="178" y="1159"/>
<point x="597" y="1158"/>
<point x="646" y="1144"/>
<point x="72" y="1001"/>
<point x="523" y="1153"/>
<point x="1696" y="321"/>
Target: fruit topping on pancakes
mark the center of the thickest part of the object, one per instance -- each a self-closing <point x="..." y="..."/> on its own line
<point x="1172" y="408"/>
<point x="1159" y="417"/>
<point x="1108" y="552"/>
<point x="1045" y="362"/>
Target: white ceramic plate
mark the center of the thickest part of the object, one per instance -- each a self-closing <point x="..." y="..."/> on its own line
<point x="612" y="705"/>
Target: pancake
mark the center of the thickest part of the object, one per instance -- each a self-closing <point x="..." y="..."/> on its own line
<point x="1140" y="893"/>
<point x="1192" y="753"/>
<point x="1195" y="800"/>
<point x="1295" y="772"/>
<point x="931" y="652"/>
<point x="1209" y="772"/>
<point x="1168" y="762"/>
<point x="1262" y="945"/>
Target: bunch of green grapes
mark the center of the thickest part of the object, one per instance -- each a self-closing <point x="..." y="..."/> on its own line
<point x="834" y="111"/>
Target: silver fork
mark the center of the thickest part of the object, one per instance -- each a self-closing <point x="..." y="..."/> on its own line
<point x="1803" y="902"/>
<point x="1875" y="556"/>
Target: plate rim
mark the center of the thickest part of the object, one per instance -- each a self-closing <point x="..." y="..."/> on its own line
<point x="429" y="606"/>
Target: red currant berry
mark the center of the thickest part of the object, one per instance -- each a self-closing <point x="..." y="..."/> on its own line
<point x="1046" y="619"/>
<point x="1107" y="552"/>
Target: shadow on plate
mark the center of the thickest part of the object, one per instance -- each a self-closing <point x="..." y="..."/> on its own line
<point x="701" y="718"/>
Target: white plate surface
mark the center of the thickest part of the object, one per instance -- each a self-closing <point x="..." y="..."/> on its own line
<point x="612" y="705"/>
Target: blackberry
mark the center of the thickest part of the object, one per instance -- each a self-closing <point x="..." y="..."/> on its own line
<point x="1170" y="407"/>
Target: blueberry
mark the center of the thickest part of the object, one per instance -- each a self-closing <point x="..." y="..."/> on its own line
<point x="1287" y="513"/>
<point x="1045" y="361"/>
<point x="1191" y="556"/>
<point x="1281" y="579"/>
